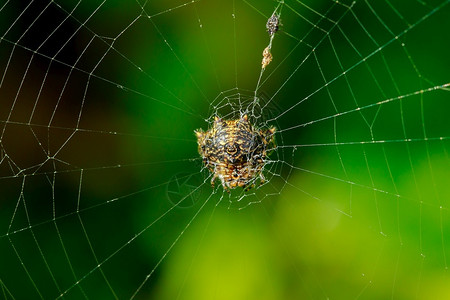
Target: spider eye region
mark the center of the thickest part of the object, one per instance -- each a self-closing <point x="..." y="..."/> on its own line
<point x="235" y="152"/>
<point x="231" y="148"/>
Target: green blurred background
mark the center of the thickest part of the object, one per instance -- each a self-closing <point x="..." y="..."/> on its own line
<point x="101" y="189"/>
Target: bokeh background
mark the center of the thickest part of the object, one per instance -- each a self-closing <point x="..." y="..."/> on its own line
<point x="102" y="193"/>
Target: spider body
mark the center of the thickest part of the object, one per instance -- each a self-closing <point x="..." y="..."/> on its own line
<point x="234" y="151"/>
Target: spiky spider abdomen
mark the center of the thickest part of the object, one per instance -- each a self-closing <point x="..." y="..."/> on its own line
<point x="235" y="152"/>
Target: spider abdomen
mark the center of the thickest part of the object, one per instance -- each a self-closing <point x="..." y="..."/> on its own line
<point x="234" y="151"/>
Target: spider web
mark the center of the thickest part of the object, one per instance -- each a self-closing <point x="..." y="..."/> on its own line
<point x="103" y="193"/>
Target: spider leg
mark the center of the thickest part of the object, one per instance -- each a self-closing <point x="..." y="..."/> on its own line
<point x="248" y="187"/>
<point x="213" y="179"/>
<point x="225" y="187"/>
<point x="262" y="179"/>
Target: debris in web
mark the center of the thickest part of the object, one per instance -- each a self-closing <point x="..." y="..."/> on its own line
<point x="272" y="25"/>
<point x="267" y="57"/>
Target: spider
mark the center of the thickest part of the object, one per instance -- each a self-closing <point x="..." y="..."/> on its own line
<point x="235" y="152"/>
